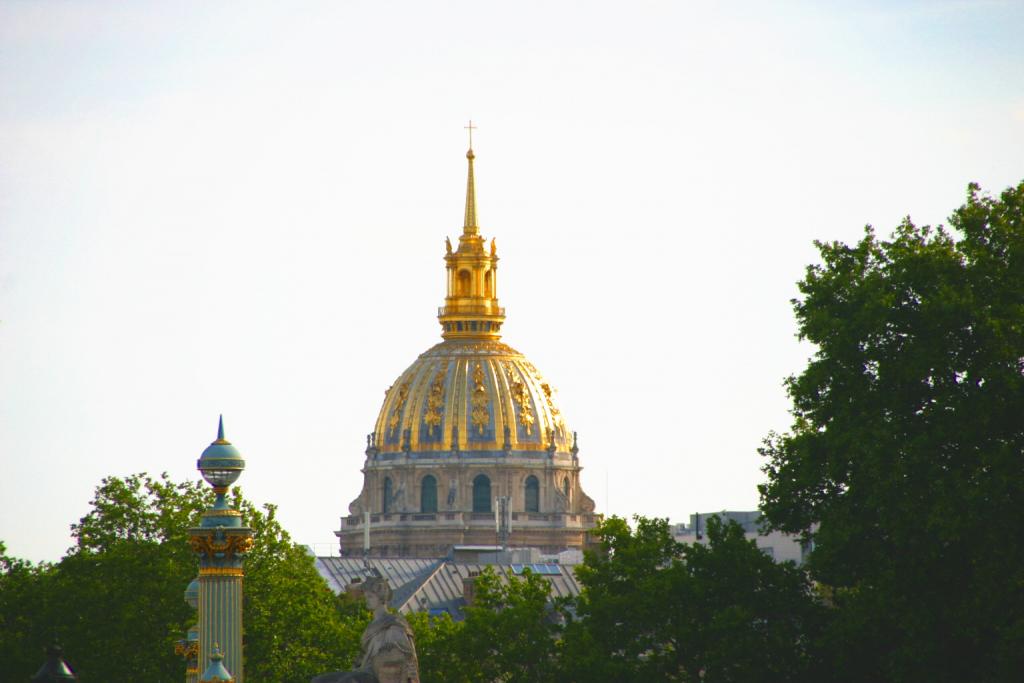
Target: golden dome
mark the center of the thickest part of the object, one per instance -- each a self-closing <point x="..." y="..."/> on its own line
<point x="471" y="392"/>
<point x="471" y="395"/>
<point x="469" y="434"/>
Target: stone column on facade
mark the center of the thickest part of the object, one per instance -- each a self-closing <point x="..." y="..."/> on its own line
<point x="221" y="544"/>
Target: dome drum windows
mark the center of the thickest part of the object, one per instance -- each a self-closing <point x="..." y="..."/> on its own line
<point x="531" y="494"/>
<point x="428" y="494"/>
<point x="481" y="493"/>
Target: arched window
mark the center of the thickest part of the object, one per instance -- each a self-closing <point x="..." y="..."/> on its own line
<point x="488" y="286"/>
<point x="428" y="494"/>
<point x="464" y="286"/>
<point x="532" y="490"/>
<point x="481" y="494"/>
<point x="565" y="487"/>
<point x="385" y="505"/>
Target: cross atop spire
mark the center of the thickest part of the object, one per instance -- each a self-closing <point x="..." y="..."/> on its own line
<point x="470" y="128"/>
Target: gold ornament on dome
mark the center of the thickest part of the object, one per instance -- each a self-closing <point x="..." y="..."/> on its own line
<point x="432" y="417"/>
<point x="480" y="413"/>
<point x="547" y="394"/>
<point x="396" y="410"/>
<point x="556" y="417"/>
<point x="522" y="398"/>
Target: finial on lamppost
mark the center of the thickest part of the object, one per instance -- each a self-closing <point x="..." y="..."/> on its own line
<point x="220" y="464"/>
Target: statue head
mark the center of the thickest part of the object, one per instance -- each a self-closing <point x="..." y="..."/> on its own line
<point x="376" y="591"/>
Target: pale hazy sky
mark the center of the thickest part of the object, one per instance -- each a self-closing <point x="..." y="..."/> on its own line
<point x="241" y="207"/>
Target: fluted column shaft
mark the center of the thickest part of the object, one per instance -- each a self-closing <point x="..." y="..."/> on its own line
<point x="221" y="550"/>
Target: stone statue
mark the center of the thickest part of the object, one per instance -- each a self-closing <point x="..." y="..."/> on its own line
<point x="448" y="245"/>
<point x="397" y="501"/>
<point x="388" y="652"/>
<point x="451" y="493"/>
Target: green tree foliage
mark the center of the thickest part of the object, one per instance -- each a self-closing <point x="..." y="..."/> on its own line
<point x="906" y="453"/>
<point x="512" y="628"/>
<point x="656" y="610"/>
<point x="24" y="593"/>
<point x="116" y="599"/>
<point x="438" y="647"/>
<point x="508" y="634"/>
<point x="295" y="628"/>
<point x="621" y="631"/>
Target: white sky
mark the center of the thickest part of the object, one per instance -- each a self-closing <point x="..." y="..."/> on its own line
<point x="241" y="207"/>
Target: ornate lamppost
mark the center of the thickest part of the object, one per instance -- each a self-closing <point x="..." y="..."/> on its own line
<point x="221" y="542"/>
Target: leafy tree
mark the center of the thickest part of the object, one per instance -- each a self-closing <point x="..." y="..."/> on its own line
<point x="510" y="628"/>
<point x="621" y="612"/>
<point x="24" y="593"/>
<point x="140" y="508"/>
<point x="508" y="634"/>
<point x="439" y="649"/>
<point x="749" y="618"/>
<point x="295" y="627"/>
<point x="653" y="609"/>
<point x="116" y="599"/>
<point x="906" y="454"/>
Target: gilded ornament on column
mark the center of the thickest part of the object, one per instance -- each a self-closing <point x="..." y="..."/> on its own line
<point x="230" y="546"/>
<point x="480" y="415"/>
<point x="187" y="649"/>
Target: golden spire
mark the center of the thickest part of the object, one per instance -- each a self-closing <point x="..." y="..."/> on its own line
<point x="471" y="308"/>
<point x="469" y="226"/>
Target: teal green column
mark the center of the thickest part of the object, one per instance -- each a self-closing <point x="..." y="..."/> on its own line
<point x="221" y="543"/>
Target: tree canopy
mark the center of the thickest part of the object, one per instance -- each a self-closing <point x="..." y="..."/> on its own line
<point x="904" y="467"/>
<point x="116" y="599"/>
<point x="653" y="609"/>
<point x="509" y="634"/>
<point x="905" y="460"/>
